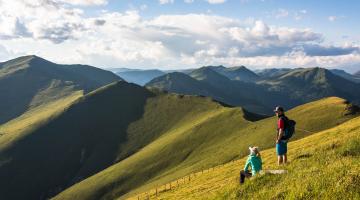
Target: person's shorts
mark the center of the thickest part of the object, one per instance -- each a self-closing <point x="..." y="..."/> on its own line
<point x="281" y="147"/>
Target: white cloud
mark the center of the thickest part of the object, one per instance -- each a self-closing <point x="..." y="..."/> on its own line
<point x="113" y="39"/>
<point x="84" y="2"/>
<point x="333" y="18"/>
<point x="189" y="1"/>
<point x="216" y="1"/>
<point x="166" y="1"/>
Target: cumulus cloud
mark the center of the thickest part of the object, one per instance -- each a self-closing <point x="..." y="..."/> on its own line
<point x="40" y="19"/>
<point x="114" y="39"/>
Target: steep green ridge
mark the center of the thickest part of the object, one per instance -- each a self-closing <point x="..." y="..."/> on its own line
<point x="29" y="81"/>
<point x="102" y="128"/>
<point x="82" y="140"/>
<point x="214" y="137"/>
<point x="322" y="166"/>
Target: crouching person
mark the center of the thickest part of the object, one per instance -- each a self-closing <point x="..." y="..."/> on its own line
<point x="253" y="161"/>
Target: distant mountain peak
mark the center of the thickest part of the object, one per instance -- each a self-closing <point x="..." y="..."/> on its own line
<point x="357" y="74"/>
<point x="173" y="76"/>
<point x="242" y="67"/>
<point x="208" y="74"/>
<point x="317" y="74"/>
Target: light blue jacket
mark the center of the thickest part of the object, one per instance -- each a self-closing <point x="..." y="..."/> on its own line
<point x="255" y="163"/>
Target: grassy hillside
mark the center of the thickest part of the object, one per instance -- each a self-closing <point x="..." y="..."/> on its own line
<point x="322" y="166"/>
<point x="102" y="128"/>
<point x="29" y="81"/>
<point x="215" y="136"/>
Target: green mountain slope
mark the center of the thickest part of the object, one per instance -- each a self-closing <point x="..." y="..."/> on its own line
<point x="215" y="136"/>
<point x="322" y="166"/>
<point x="102" y="128"/>
<point x="29" y="81"/>
<point x="180" y="83"/>
<point x="240" y="73"/>
<point x="313" y="83"/>
<point x="272" y="72"/>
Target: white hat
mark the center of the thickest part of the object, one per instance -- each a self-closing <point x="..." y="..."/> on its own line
<point x="254" y="150"/>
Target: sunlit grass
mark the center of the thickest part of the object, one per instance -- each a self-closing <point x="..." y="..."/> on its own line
<point x="199" y="140"/>
<point x="322" y="166"/>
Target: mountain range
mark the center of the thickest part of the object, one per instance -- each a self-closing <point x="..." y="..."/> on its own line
<point x="88" y="134"/>
<point x="290" y="88"/>
<point x="114" y="135"/>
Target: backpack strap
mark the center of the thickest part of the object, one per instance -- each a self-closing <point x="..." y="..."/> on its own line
<point x="285" y="119"/>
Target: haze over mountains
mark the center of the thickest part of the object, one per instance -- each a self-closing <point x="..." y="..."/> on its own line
<point x="140" y="77"/>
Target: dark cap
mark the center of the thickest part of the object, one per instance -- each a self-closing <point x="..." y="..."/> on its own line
<point x="279" y="108"/>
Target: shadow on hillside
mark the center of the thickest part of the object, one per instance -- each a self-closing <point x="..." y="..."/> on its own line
<point x="17" y="93"/>
<point x="82" y="141"/>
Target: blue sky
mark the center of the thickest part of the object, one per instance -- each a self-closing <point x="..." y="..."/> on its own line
<point x="170" y="34"/>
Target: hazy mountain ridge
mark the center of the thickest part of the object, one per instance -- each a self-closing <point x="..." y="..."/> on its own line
<point x="284" y="87"/>
<point x="357" y="74"/>
<point x="344" y="74"/>
<point x="140" y="77"/>
<point x="206" y="82"/>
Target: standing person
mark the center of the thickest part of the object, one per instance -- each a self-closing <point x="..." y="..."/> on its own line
<point x="253" y="161"/>
<point x="281" y="141"/>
